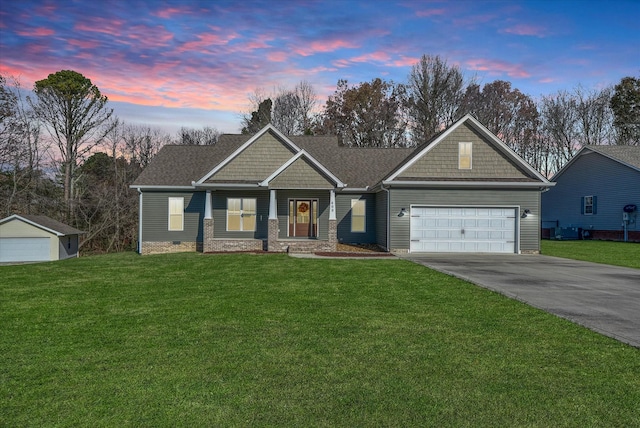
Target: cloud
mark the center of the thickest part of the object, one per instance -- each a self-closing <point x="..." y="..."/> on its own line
<point x="526" y="30"/>
<point x="495" y="67"/>
<point x="430" y="12"/>
<point x="36" y="32"/>
<point x="323" y="46"/>
<point x="170" y="12"/>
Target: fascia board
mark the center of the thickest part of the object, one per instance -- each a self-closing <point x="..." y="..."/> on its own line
<point x="294" y="158"/>
<point x="470" y="184"/>
<point x="34" y="224"/>
<point x="226" y="185"/>
<point x="161" y="187"/>
<point x="249" y="142"/>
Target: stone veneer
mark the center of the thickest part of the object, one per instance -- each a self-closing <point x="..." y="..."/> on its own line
<point x="168" y="247"/>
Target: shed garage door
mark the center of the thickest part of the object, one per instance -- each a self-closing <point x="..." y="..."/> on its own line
<point x="472" y="229"/>
<point x="24" y="249"/>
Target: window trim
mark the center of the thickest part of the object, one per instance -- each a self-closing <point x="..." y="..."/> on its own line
<point x="363" y="216"/>
<point x="592" y="205"/>
<point x="462" y="155"/>
<point x="255" y="214"/>
<point x="170" y="214"/>
<point x="315" y="216"/>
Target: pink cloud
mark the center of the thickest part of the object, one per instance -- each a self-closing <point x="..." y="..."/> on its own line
<point x="37" y="32"/>
<point x="205" y="41"/>
<point x="525" y="30"/>
<point x="83" y="44"/>
<point x="548" y="80"/>
<point x="497" y="67"/>
<point x="405" y="61"/>
<point x="430" y="12"/>
<point x="170" y="12"/>
<point x="325" y="46"/>
<point x="277" y="56"/>
<point x="101" y="25"/>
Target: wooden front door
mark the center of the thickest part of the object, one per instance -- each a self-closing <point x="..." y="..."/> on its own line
<point x="303" y="218"/>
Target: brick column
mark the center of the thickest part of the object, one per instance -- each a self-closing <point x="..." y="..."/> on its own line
<point x="272" y="242"/>
<point x="333" y="235"/>
<point x="207" y="245"/>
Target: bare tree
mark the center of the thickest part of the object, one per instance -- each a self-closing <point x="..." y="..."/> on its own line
<point x="198" y="137"/>
<point x="595" y="115"/>
<point x="560" y="126"/>
<point x="142" y="143"/>
<point x="625" y="104"/>
<point x="367" y="115"/>
<point x="434" y="94"/>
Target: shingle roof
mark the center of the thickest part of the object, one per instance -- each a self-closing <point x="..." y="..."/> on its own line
<point x="629" y="155"/>
<point x="48" y="223"/>
<point x="178" y="165"/>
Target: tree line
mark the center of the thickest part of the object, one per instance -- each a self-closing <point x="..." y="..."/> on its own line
<point x="63" y="153"/>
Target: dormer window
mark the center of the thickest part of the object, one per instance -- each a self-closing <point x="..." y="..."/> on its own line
<point x="464" y="155"/>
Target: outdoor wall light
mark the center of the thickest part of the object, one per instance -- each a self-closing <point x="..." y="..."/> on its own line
<point x="403" y="212"/>
<point x="525" y="213"/>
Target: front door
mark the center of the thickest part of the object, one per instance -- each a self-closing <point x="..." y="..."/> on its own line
<point x="303" y="218"/>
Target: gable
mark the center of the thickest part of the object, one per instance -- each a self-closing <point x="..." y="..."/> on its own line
<point x="16" y="228"/>
<point x="441" y="161"/>
<point x="300" y="175"/>
<point x="256" y="162"/>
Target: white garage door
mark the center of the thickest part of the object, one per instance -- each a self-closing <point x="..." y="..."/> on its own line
<point x="24" y="249"/>
<point x="475" y="230"/>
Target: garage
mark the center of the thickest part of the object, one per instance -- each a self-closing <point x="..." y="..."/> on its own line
<point x="24" y="249"/>
<point x="463" y="229"/>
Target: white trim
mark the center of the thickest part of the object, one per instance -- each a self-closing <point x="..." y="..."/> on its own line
<point x="255" y="214"/>
<point x="224" y="185"/>
<point x="294" y="158"/>
<point x="295" y="199"/>
<point x="364" y="216"/>
<point x="460" y="143"/>
<point x="482" y="129"/>
<point x="181" y="229"/>
<point x="249" y="142"/>
<point x="332" y="205"/>
<point x="33" y="223"/>
<point x="140" y="222"/>
<point x="207" y="205"/>
<point x="492" y="184"/>
<point x="161" y="187"/>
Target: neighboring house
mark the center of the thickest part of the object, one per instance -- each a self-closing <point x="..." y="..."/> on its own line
<point x="36" y="238"/>
<point x="591" y="193"/>
<point x="463" y="191"/>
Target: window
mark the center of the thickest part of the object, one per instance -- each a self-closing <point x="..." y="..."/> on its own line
<point x="176" y="213"/>
<point x="358" y="215"/>
<point x="241" y="214"/>
<point x="589" y="205"/>
<point x="464" y="155"/>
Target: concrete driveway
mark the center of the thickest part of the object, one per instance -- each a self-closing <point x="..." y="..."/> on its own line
<point x="600" y="297"/>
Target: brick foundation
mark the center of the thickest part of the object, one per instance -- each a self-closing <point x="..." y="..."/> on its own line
<point x="207" y="231"/>
<point x="231" y="245"/>
<point x="169" y="247"/>
<point x="615" y="235"/>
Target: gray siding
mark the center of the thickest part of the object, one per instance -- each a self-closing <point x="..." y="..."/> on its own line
<point x="381" y="218"/>
<point x="529" y="239"/>
<point x="284" y="196"/>
<point x="68" y="246"/>
<point x="300" y="175"/>
<point x="220" y="213"/>
<point x="256" y="162"/>
<point x="442" y="160"/>
<point x="155" y="214"/>
<point x="592" y="174"/>
<point x="343" y="215"/>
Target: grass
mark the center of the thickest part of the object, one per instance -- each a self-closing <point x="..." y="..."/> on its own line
<point x="268" y="340"/>
<point x="612" y="253"/>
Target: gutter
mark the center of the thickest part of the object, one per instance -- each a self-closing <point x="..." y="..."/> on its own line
<point x="388" y="243"/>
<point x="470" y="184"/>
<point x="140" y="221"/>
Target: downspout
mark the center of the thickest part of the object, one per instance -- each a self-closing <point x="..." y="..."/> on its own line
<point x="388" y="216"/>
<point x="140" y="222"/>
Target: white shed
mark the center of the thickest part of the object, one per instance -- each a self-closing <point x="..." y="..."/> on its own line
<point x="36" y="238"/>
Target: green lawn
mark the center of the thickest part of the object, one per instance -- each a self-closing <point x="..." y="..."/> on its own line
<point x="268" y="340"/>
<point x="607" y="252"/>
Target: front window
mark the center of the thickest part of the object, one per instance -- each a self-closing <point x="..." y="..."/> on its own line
<point x="358" y="215"/>
<point x="464" y="155"/>
<point x="241" y="214"/>
<point x="176" y="214"/>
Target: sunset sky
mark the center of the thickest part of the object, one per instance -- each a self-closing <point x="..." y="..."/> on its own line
<point x="194" y="63"/>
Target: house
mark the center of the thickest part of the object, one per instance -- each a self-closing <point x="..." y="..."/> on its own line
<point x="36" y="238"/>
<point x="596" y="196"/>
<point x="463" y="191"/>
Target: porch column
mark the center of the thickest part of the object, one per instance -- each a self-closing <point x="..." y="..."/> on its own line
<point x="207" y="205"/>
<point x="332" y="205"/>
<point x="274" y="226"/>
<point x="207" y="244"/>
<point x="333" y="222"/>
<point x="273" y="206"/>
